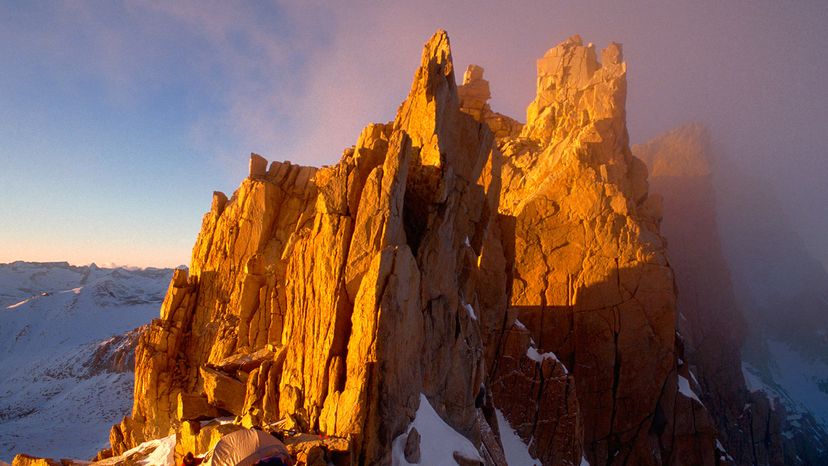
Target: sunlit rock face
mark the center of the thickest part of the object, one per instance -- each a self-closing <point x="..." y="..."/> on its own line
<point x="752" y="429"/>
<point x="452" y="252"/>
<point x="589" y="273"/>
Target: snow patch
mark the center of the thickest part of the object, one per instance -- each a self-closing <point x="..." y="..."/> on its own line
<point x="158" y="452"/>
<point x="684" y="388"/>
<point x="517" y="452"/>
<point x="519" y="325"/>
<point x="16" y="305"/>
<point x="438" y="440"/>
<point x="470" y="310"/>
<point x="533" y="354"/>
<point x="754" y="382"/>
<point x="163" y="454"/>
<point x="725" y="456"/>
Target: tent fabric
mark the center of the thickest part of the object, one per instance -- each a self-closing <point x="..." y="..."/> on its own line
<point x="243" y="448"/>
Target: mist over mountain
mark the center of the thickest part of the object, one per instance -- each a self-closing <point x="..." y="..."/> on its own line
<point x="783" y="289"/>
<point x="748" y="370"/>
<point x="781" y="283"/>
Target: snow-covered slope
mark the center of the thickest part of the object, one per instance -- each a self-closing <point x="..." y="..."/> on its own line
<point x="798" y="380"/>
<point x="67" y="336"/>
<point x="439" y="442"/>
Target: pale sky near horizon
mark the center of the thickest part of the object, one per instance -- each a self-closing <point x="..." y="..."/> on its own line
<point x="119" y="119"/>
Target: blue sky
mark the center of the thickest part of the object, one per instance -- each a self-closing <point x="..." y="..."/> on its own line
<point x="119" y="119"/>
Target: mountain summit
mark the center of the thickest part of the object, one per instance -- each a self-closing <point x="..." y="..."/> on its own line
<point x="436" y="263"/>
<point x="459" y="288"/>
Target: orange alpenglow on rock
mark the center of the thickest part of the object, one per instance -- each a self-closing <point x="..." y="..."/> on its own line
<point x="453" y="252"/>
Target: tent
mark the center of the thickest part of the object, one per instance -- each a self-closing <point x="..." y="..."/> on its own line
<point x="245" y="447"/>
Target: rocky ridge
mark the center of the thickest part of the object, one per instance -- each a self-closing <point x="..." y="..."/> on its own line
<point x="453" y="256"/>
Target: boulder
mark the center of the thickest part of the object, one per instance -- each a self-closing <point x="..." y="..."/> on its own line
<point x="219" y="201"/>
<point x="412" y="446"/>
<point x="223" y="392"/>
<point x="258" y="166"/>
<point x="474" y="96"/>
<point x="244" y="362"/>
<point x="463" y="461"/>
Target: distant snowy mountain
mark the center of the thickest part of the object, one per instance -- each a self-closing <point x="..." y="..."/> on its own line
<point x="798" y="379"/>
<point x="794" y="378"/>
<point x="67" y="337"/>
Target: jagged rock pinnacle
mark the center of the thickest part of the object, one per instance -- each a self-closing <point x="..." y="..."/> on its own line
<point x="453" y="256"/>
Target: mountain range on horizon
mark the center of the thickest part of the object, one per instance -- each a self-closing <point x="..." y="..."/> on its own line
<point x="67" y="339"/>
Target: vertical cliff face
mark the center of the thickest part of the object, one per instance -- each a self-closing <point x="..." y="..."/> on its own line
<point x="590" y="279"/>
<point x="453" y="256"/>
<point x="752" y="428"/>
<point x="710" y="321"/>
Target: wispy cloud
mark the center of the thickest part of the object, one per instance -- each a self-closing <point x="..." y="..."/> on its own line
<point x="297" y="80"/>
